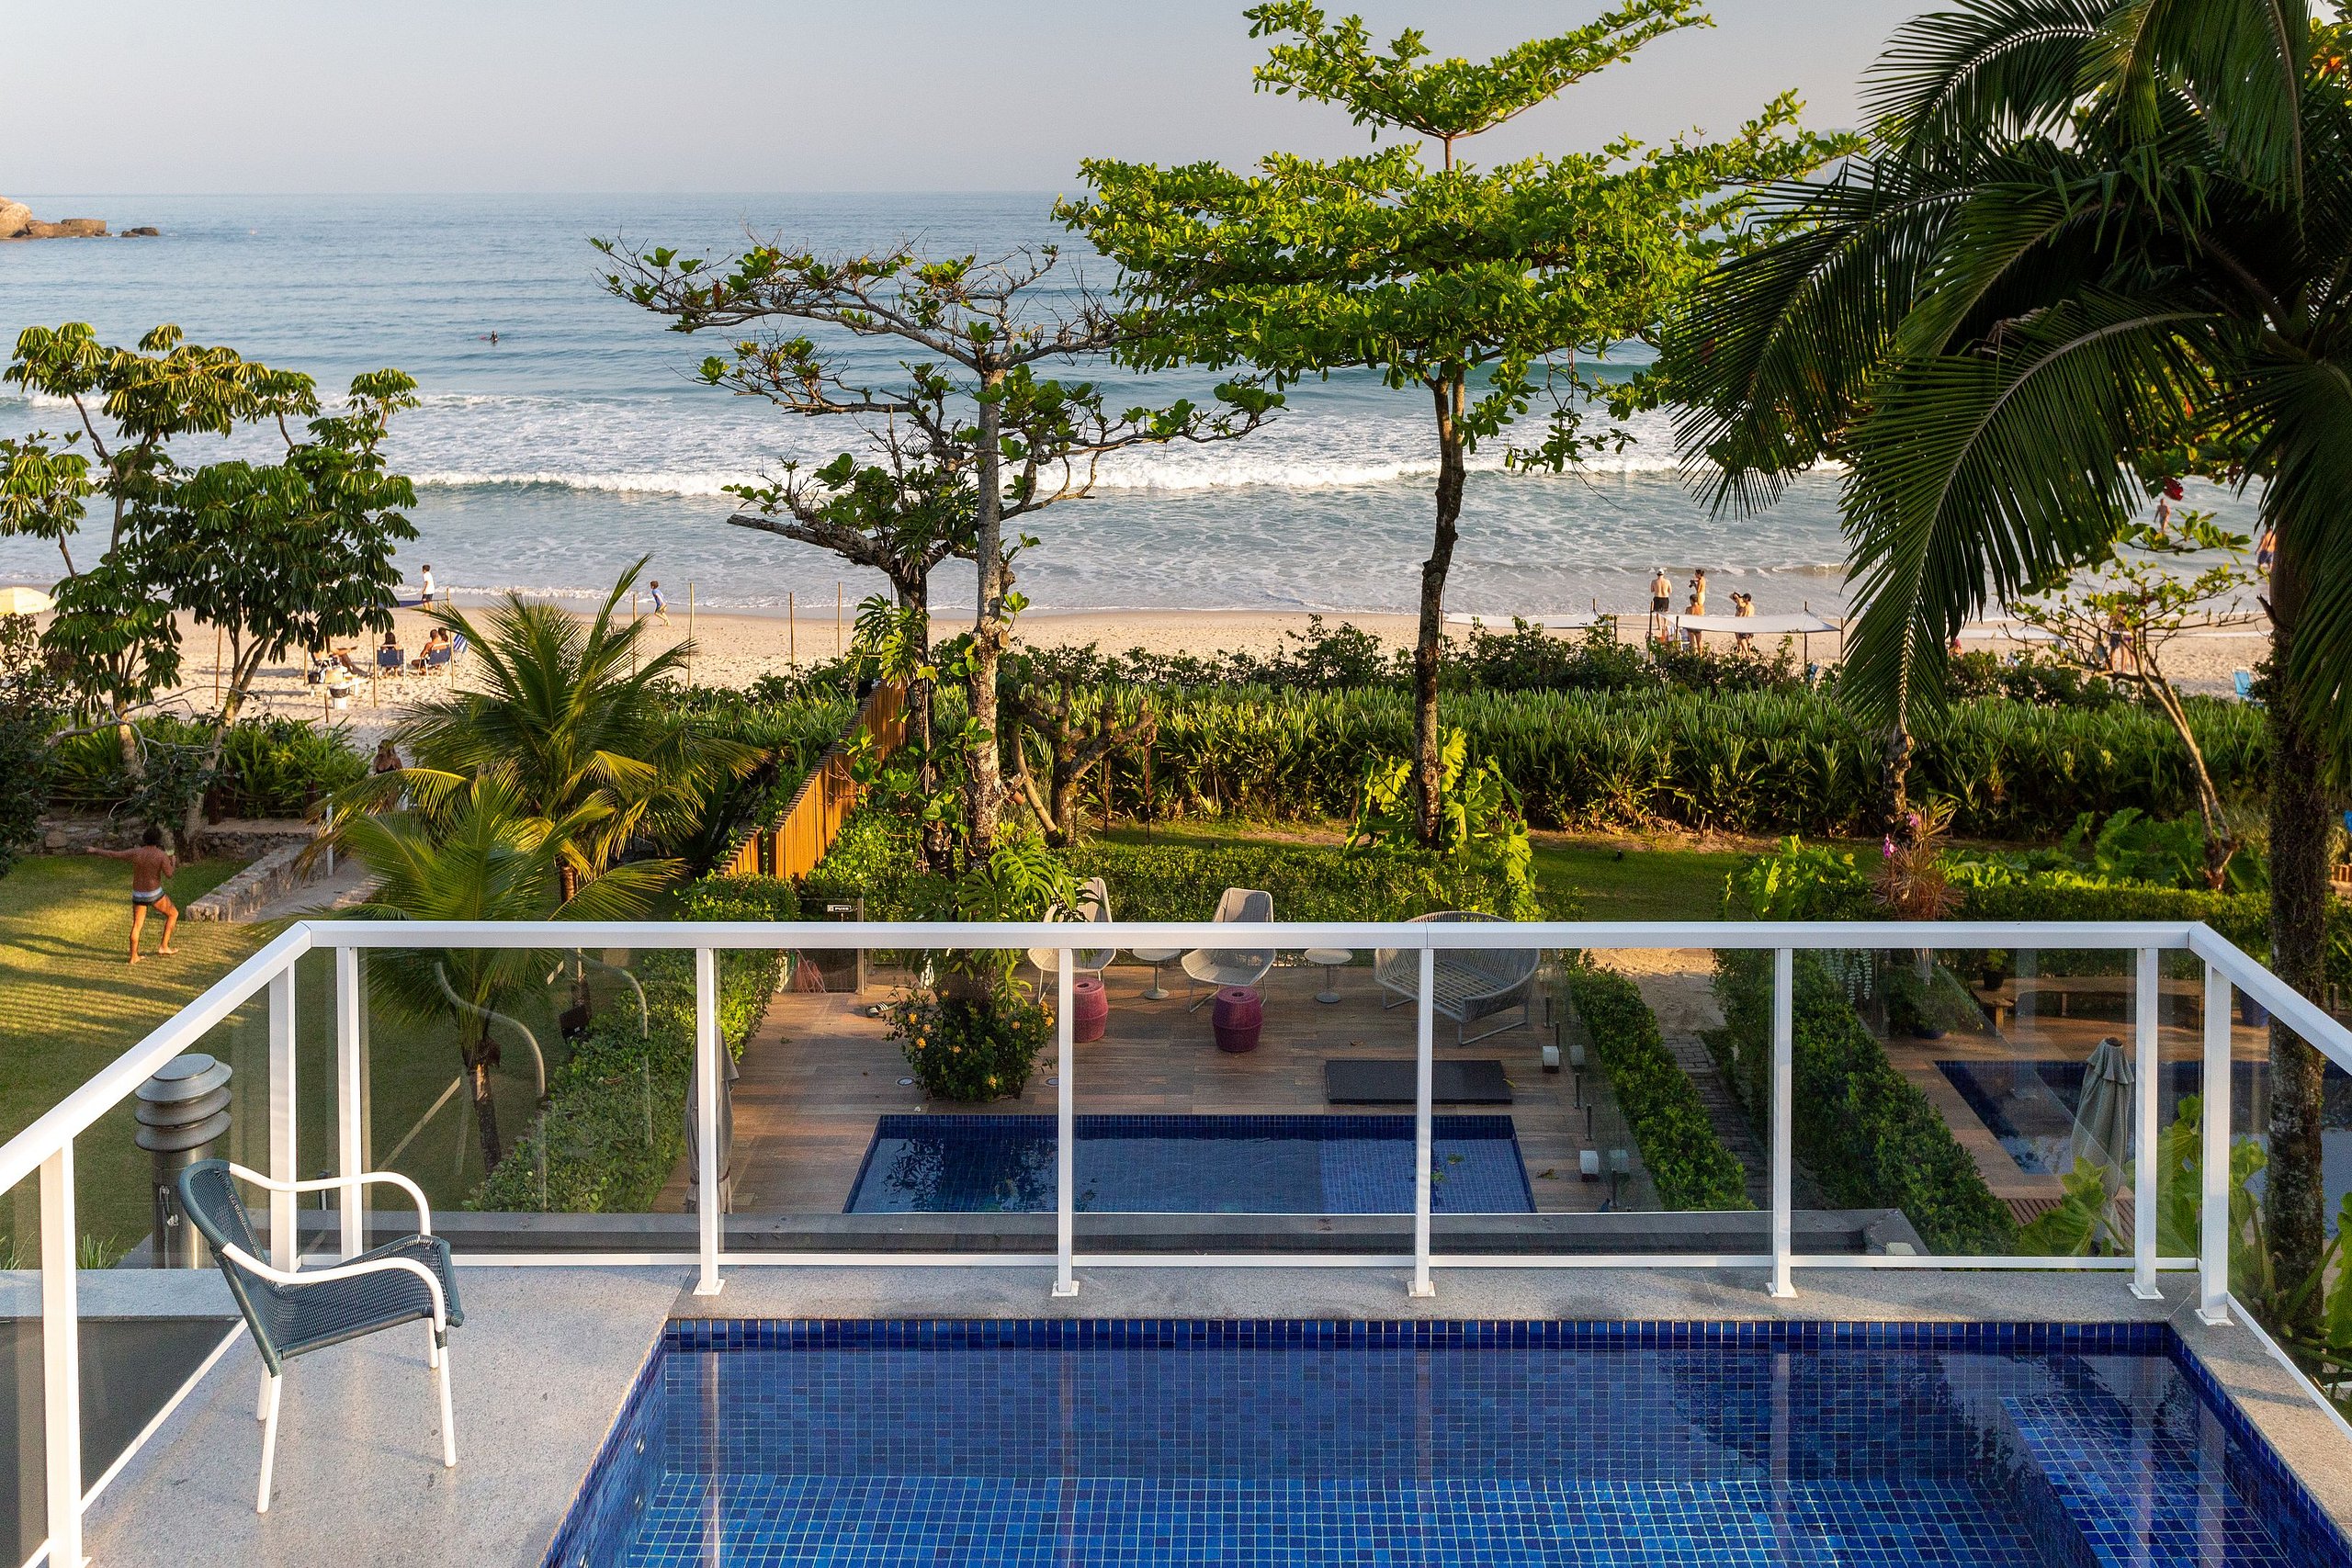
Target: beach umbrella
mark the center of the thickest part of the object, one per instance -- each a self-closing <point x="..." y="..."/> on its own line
<point x="2101" y="1136"/>
<point x="20" y="601"/>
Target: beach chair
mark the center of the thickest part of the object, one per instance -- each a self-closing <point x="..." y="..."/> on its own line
<point x="1093" y="907"/>
<point x="1217" y="967"/>
<point x="439" y="658"/>
<point x="292" y="1312"/>
<point x="2244" y="680"/>
<point x="390" y="661"/>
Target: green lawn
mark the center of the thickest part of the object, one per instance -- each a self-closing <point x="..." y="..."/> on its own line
<point x="69" y="1005"/>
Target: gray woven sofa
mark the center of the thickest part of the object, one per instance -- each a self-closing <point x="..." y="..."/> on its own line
<point x="1471" y="984"/>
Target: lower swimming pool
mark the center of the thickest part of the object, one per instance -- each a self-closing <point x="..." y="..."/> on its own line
<point x="1343" y="1164"/>
<point x="1162" y="1443"/>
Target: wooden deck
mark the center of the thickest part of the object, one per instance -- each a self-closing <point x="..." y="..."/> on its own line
<point x="819" y="1072"/>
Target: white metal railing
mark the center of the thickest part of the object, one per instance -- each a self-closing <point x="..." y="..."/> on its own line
<point x="46" y="1146"/>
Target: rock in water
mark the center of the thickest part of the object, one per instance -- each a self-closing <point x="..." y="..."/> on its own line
<point x="15" y="218"/>
<point x="18" y="223"/>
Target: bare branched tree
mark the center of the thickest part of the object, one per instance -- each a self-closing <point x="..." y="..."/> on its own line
<point x="972" y="425"/>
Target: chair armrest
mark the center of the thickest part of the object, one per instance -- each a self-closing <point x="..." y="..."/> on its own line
<point x="329" y="1183"/>
<point x="252" y="1264"/>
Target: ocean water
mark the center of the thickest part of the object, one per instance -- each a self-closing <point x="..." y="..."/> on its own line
<point x="548" y="461"/>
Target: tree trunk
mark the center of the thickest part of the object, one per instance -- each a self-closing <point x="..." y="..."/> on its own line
<point x="984" y="768"/>
<point x="935" y="843"/>
<point x="2295" y="1195"/>
<point x="2219" y="845"/>
<point x="478" y="1063"/>
<point x="1898" y="782"/>
<point x="232" y="704"/>
<point x="1429" y="644"/>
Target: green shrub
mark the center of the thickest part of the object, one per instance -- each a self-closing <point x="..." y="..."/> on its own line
<point x="1866" y="1134"/>
<point x="613" y="1127"/>
<point x="269" y="767"/>
<point x="1742" y="760"/>
<point x="971" y="1049"/>
<point x="1181" y="882"/>
<point x="1685" y="1158"/>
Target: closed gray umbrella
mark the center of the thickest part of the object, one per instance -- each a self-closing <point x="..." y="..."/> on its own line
<point x="2102" y="1130"/>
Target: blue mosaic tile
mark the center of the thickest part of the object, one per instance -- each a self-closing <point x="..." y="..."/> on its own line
<point x="1199" y="1164"/>
<point x="1155" y="1443"/>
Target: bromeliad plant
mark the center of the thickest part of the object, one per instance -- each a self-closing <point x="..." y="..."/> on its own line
<point x="970" y="1031"/>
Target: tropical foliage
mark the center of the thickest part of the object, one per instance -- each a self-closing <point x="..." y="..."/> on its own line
<point x="1477" y="288"/>
<point x="2093" y="245"/>
<point x="1686" y="1160"/>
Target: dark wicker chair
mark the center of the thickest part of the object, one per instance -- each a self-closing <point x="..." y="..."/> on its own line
<point x="293" y="1313"/>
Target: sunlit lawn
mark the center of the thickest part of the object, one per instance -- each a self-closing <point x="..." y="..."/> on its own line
<point x="69" y="1005"/>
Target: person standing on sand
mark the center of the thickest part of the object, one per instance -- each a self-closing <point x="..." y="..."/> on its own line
<point x="661" y="604"/>
<point x="1661" y="600"/>
<point x="428" y="583"/>
<point x="150" y="865"/>
<point x="1697" y="606"/>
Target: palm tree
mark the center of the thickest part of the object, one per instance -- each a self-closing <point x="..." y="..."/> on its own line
<point x="2093" y="243"/>
<point x="483" y="856"/>
<point x="579" y="719"/>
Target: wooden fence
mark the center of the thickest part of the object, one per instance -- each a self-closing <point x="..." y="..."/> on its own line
<point x="793" y="846"/>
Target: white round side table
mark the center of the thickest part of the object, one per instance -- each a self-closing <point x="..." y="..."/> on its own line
<point x="1330" y="958"/>
<point x="1156" y="956"/>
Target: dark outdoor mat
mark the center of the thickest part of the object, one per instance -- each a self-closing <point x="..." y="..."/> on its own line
<point x="1391" y="1083"/>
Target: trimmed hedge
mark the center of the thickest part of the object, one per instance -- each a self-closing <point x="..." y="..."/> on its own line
<point x="872" y="859"/>
<point x="1685" y="1158"/>
<point x="1866" y="1133"/>
<point x="593" y="1131"/>
<point x="2243" y="918"/>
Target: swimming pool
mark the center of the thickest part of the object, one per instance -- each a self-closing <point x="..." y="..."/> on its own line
<point x="1348" y="1164"/>
<point x="1169" y="1442"/>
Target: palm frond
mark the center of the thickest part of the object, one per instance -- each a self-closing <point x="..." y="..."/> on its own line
<point x="1986" y="73"/>
<point x="1975" y="475"/>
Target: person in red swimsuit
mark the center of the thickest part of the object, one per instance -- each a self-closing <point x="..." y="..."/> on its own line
<point x="150" y="865"/>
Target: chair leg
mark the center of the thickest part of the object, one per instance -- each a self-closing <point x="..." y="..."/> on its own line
<point x="268" y="1440"/>
<point x="449" y="1425"/>
<point x="261" y="1396"/>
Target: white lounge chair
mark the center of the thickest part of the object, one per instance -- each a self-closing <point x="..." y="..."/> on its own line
<point x="1217" y="967"/>
<point x="1094" y="908"/>
<point x="1470" y="983"/>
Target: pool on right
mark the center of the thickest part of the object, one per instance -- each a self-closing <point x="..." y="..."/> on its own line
<point x="1602" y="1445"/>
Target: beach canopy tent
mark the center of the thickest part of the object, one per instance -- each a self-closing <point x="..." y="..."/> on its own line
<point x="2014" y="630"/>
<point x="1574" y="621"/>
<point x="1804" y="622"/>
<point x="20" y="601"/>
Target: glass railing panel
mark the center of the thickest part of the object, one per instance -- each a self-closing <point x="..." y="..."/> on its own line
<point x="516" y="1086"/>
<point x="24" y="1502"/>
<point x="1264" y="1106"/>
<point x="1619" y="1088"/>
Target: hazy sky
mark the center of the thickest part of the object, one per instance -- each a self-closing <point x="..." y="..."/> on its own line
<point x="301" y="95"/>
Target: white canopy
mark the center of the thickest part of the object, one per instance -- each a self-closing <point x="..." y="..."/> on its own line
<point x="1804" y="623"/>
<point x="1573" y="621"/>
<point x="20" y="601"/>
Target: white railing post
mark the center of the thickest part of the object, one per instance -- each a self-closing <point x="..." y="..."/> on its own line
<point x="285" y="1241"/>
<point x="350" y="1088"/>
<point x="1424" y="1075"/>
<point x="1066" y="1130"/>
<point x="2146" y="1014"/>
<point x="2214" y="1238"/>
<point x="1784" y="989"/>
<point x="61" y="1359"/>
<point x="707" y="1087"/>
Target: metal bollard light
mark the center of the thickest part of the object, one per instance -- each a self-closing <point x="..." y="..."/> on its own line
<point x="182" y="1110"/>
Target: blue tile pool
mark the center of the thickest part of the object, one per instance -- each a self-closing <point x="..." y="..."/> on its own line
<point x="1156" y="1444"/>
<point x="1195" y="1165"/>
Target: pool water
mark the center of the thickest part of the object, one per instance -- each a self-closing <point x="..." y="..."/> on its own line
<point x="1709" y="1445"/>
<point x="1349" y="1163"/>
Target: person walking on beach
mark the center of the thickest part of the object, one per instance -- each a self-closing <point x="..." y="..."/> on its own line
<point x="661" y="604"/>
<point x="150" y="865"/>
<point x="1697" y="606"/>
<point x="428" y="582"/>
<point x="1661" y="601"/>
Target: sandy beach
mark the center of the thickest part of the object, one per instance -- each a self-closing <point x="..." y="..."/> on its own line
<point x="737" y="649"/>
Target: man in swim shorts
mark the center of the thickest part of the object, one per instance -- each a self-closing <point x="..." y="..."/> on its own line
<point x="150" y="865"/>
